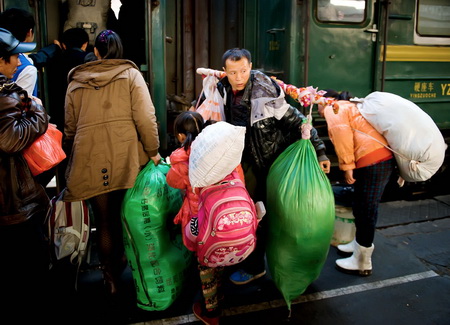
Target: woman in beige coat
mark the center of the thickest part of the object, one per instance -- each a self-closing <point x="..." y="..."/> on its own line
<point x="111" y="131"/>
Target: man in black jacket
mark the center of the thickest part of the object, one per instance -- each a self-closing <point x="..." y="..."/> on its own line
<point x="254" y="100"/>
<point x="74" y="42"/>
<point x="23" y="202"/>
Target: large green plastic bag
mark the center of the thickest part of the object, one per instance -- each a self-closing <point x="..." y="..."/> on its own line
<point x="154" y="249"/>
<point x="300" y="205"/>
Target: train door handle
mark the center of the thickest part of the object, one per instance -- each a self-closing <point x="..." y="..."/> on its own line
<point x="373" y="31"/>
<point x="275" y="30"/>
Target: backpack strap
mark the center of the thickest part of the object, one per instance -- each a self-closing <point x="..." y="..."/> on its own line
<point x="82" y="209"/>
<point x="412" y="163"/>
<point x="84" y="239"/>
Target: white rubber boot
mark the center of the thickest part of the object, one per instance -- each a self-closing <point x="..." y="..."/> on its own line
<point x="348" y="248"/>
<point x="359" y="263"/>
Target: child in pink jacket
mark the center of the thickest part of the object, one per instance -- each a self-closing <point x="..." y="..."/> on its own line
<point x="187" y="126"/>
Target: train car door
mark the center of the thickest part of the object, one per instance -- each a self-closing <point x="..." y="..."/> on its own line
<point x="342" y="42"/>
<point x="319" y="43"/>
<point x="266" y="34"/>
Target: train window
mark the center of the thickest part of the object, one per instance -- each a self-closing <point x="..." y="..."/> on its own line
<point x="433" y="18"/>
<point x="341" y="11"/>
<point x="25" y="5"/>
<point x="432" y="22"/>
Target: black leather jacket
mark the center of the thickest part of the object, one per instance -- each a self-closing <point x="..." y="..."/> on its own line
<point x="22" y="120"/>
<point x="267" y="138"/>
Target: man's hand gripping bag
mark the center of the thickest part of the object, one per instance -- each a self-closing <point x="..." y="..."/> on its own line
<point x="153" y="245"/>
<point x="300" y="209"/>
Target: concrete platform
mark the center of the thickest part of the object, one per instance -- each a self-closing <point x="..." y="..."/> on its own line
<point x="404" y="212"/>
<point x="410" y="283"/>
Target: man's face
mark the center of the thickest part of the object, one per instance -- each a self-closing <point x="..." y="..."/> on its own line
<point x="9" y="68"/>
<point x="238" y="73"/>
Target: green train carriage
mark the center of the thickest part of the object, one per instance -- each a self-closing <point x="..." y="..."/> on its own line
<point x="362" y="46"/>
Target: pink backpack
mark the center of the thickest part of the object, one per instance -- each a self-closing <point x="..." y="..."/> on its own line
<point x="224" y="231"/>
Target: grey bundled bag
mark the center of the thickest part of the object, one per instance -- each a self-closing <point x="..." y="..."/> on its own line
<point x="91" y="15"/>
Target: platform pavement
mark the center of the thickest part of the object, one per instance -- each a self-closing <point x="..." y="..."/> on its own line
<point x="412" y="240"/>
<point x="410" y="283"/>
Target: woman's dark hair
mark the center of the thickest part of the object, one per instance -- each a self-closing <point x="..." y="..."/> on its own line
<point x="343" y="95"/>
<point x="109" y="45"/>
<point x="190" y="124"/>
<point x="235" y="55"/>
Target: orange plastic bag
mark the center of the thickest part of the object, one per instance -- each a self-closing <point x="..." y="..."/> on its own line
<point x="46" y="151"/>
<point x="212" y="106"/>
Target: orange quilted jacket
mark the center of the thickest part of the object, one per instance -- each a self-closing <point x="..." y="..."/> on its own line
<point x="351" y="145"/>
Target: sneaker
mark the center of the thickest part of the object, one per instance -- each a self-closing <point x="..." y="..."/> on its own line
<point x="200" y="314"/>
<point x="242" y="277"/>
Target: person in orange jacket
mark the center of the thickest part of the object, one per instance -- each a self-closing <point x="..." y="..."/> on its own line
<point x="368" y="164"/>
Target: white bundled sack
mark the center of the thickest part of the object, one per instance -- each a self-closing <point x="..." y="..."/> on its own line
<point x="417" y="144"/>
<point x="215" y="153"/>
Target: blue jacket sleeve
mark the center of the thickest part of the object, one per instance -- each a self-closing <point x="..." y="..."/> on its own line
<point x="42" y="57"/>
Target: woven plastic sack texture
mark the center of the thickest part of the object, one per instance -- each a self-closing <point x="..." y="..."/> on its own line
<point x="215" y="153"/>
<point x="91" y="15"/>
<point x="418" y="144"/>
<point x="153" y="245"/>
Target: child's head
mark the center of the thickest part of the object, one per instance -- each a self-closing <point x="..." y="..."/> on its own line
<point x="187" y="126"/>
<point x="19" y="22"/>
<point x="74" y="38"/>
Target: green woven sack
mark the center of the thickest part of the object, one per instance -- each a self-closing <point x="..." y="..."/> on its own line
<point x="153" y="244"/>
<point x="300" y="208"/>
